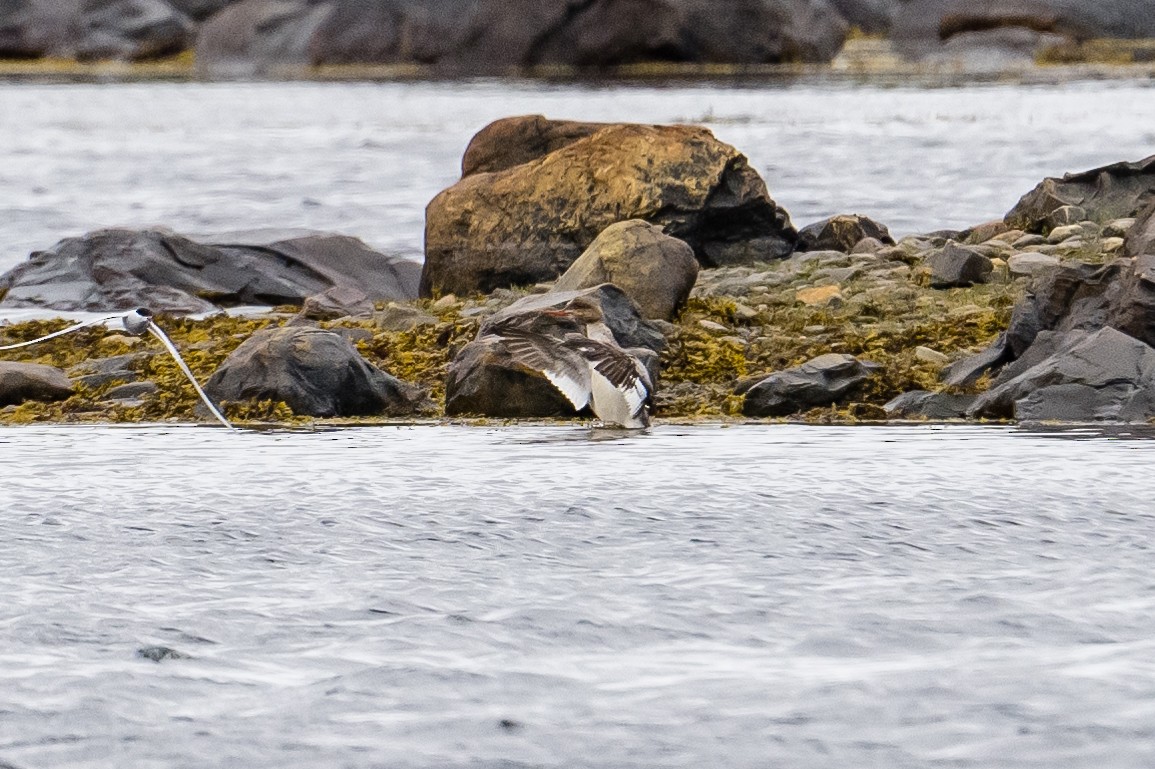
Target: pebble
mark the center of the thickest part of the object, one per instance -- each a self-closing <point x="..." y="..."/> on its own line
<point x="446" y="302"/>
<point x="820" y="296"/>
<point x="1111" y="244"/>
<point x="927" y="355"/>
<point x="710" y="325"/>
<point x="1059" y="234"/>
<point x="1030" y="239"/>
<point x="1117" y="228"/>
<point x="1029" y="263"/>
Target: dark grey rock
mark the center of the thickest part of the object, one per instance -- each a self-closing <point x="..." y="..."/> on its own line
<point x="922" y="27"/>
<point x="921" y="404"/>
<point x="820" y="381"/>
<point x="132" y="29"/>
<point x="655" y="270"/>
<point x="841" y="233"/>
<point x="160" y="653"/>
<point x="315" y="372"/>
<point x="958" y="266"/>
<point x="122" y="269"/>
<point x="1111" y="192"/>
<point x="21" y="382"/>
<point x="620" y="313"/>
<point x="1104" y="376"/>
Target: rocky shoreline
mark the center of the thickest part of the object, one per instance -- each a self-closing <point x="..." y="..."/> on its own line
<point x="679" y="249"/>
<point x="292" y="38"/>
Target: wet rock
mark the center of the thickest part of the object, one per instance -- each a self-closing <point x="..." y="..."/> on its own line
<point x="958" y="266"/>
<point x="819" y="382"/>
<point x="120" y="269"/>
<point x="493" y="36"/>
<point x="1104" y="376"/>
<point x="841" y="233"/>
<point x="529" y="223"/>
<point x="21" y="382"/>
<point x="620" y="314"/>
<point x="920" y="404"/>
<point x="653" y="269"/>
<point x="317" y="373"/>
<point x="1107" y="193"/>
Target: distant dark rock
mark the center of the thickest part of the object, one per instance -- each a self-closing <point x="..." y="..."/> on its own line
<point x="841" y="233"/>
<point x="122" y="269"/>
<point x="494" y="36"/>
<point x="653" y="269"/>
<point x="958" y="266"/>
<point x="818" y="382"/>
<point x="872" y="16"/>
<point x="528" y="223"/>
<point x="1103" y="376"/>
<point x="132" y="29"/>
<point x="160" y="653"/>
<point x="921" y="27"/>
<point x="1107" y="193"/>
<point x="315" y="372"/>
<point x="920" y="404"/>
<point x="21" y="382"/>
<point x="93" y="29"/>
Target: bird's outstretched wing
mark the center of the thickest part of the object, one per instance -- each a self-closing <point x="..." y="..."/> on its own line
<point x="565" y="368"/>
<point x="622" y="370"/>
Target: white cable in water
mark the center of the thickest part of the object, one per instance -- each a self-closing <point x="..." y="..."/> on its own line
<point x="62" y="332"/>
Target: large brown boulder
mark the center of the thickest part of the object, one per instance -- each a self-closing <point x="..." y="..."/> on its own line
<point x="654" y="270"/>
<point x="515" y="140"/>
<point x="497" y="35"/>
<point x="120" y="269"/>
<point x="315" y="372"/>
<point x="21" y="382"/>
<point x="530" y="222"/>
<point x="1111" y="192"/>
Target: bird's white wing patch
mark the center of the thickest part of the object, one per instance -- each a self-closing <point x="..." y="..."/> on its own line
<point x="564" y="368"/>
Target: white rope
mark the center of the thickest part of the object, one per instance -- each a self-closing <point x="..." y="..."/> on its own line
<point x="155" y="331"/>
<point x="62" y="332"/>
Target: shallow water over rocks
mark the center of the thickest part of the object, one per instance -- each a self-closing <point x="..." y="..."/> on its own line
<point x="442" y="596"/>
<point x="364" y="158"/>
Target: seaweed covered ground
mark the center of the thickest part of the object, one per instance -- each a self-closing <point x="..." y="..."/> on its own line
<point x="739" y="324"/>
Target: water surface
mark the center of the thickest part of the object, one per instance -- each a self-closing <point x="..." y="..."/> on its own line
<point x="365" y="158"/>
<point x="440" y="597"/>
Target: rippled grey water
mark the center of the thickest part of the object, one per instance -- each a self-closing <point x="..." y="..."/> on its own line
<point x="364" y="158"/>
<point x="754" y="596"/>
